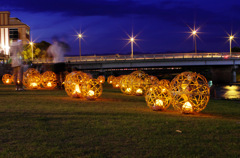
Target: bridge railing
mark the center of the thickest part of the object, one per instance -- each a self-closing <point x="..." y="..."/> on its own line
<point x="215" y="55"/>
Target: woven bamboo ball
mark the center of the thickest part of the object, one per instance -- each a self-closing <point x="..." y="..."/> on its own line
<point x="154" y="80"/>
<point x="101" y="79"/>
<point x="158" y="97"/>
<point x="116" y="82"/>
<point x="7" y="79"/>
<point x="110" y="79"/>
<point x="34" y="81"/>
<point x="165" y="83"/>
<point x="73" y="83"/>
<point x="141" y="82"/>
<point x="32" y="78"/>
<point x="49" y="80"/>
<point x="126" y="84"/>
<point x="190" y="92"/>
<point x="92" y="89"/>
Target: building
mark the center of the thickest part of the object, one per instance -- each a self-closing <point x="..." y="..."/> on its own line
<point x="11" y="28"/>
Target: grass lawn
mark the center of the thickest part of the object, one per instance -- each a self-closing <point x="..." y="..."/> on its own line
<point x="48" y="123"/>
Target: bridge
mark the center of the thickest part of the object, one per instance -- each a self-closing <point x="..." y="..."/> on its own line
<point x="219" y="63"/>
<point x="149" y="60"/>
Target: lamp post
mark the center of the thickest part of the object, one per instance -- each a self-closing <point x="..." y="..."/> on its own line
<point x="132" y="40"/>
<point x="31" y="43"/>
<point x="230" y="43"/>
<point x="194" y="33"/>
<point x="80" y="37"/>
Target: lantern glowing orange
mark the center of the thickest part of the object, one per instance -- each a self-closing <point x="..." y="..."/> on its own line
<point x="116" y="82"/>
<point x="92" y="89"/>
<point x="190" y="92"/>
<point x="126" y="84"/>
<point x="49" y="80"/>
<point x="101" y="79"/>
<point x="7" y="79"/>
<point x="110" y="79"/>
<point x="140" y="80"/>
<point x="157" y="98"/>
<point x="32" y="79"/>
<point x="73" y="83"/>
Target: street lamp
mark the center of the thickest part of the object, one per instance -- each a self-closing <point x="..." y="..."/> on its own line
<point x="132" y="40"/>
<point x="31" y="43"/>
<point x="80" y="37"/>
<point x="194" y="34"/>
<point x="231" y="37"/>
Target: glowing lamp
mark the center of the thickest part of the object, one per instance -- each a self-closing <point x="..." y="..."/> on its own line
<point x="90" y="93"/>
<point x="158" y="102"/>
<point x="190" y="92"/>
<point x="139" y="91"/>
<point x="49" y="84"/>
<point x="187" y="107"/>
<point x="7" y="79"/>
<point x="158" y="105"/>
<point x="128" y="90"/>
<point x="76" y="92"/>
<point x="33" y="85"/>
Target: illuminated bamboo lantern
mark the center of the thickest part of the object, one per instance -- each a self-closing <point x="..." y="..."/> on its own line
<point x="92" y="89"/>
<point x="7" y="79"/>
<point x="32" y="79"/>
<point x="126" y="84"/>
<point x="27" y="74"/>
<point x="140" y="82"/>
<point x="165" y="83"/>
<point x="154" y="80"/>
<point x="158" y="97"/>
<point x="110" y="79"/>
<point x="73" y="83"/>
<point x="116" y="82"/>
<point x="101" y="79"/>
<point x="190" y="92"/>
<point x="49" y="80"/>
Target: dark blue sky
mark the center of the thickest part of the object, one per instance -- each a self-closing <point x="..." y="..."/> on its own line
<point x="161" y="25"/>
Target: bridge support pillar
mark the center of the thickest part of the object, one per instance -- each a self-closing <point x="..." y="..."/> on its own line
<point x="222" y="74"/>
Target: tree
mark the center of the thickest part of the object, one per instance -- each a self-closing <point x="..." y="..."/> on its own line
<point x="39" y="50"/>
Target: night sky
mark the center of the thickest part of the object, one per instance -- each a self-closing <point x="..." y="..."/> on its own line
<point x="160" y="25"/>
